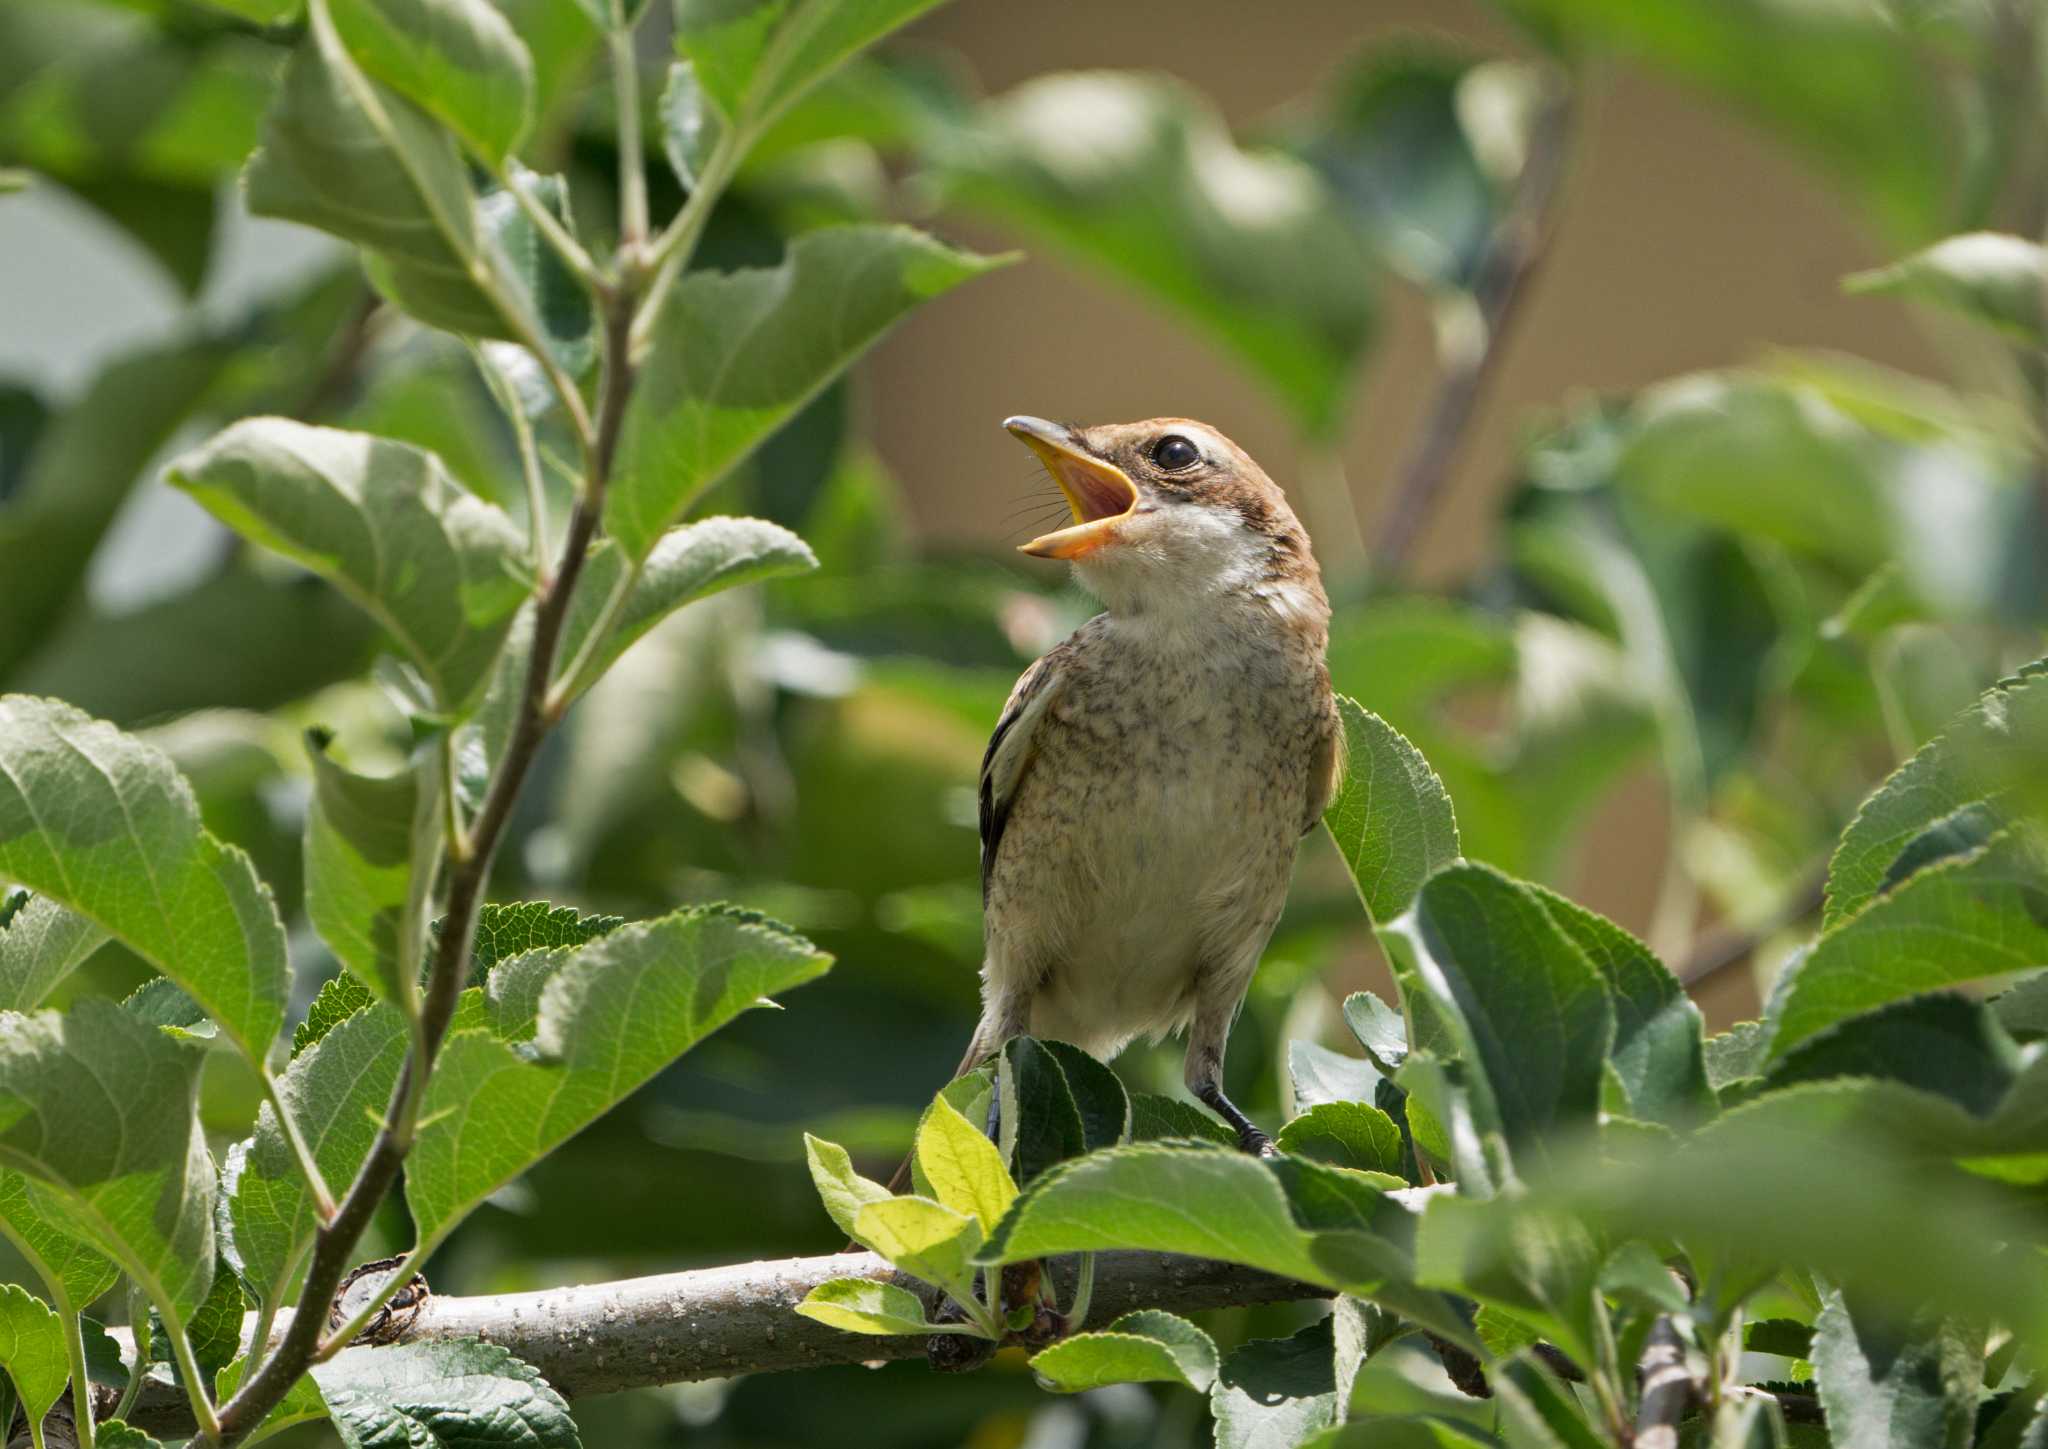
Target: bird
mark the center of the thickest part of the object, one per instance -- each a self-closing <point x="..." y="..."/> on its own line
<point x="1149" y="780"/>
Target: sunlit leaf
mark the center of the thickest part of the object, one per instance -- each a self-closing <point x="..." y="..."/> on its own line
<point x="359" y="837"/>
<point x="436" y="566"/>
<point x="965" y="1169"/>
<point x="860" y="1305"/>
<point x="104" y="824"/>
<point x="41" y="943"/>
<point x="1345" y="1134"/>
<point x="843" y="1191"/>
<point x="32" y="1350"/>
<point x="736" y="354"/>
<point x="756" y="57"/>
<point x="923" y="1238"/>
<point x="40" y="1229"/>
<point x="1148" y="1346"/>
<point x="1391" y="818"/>
<point x="458" y="60"/>
<point x="1989" y="276"/>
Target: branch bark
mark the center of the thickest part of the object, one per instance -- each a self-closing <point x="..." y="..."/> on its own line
<point x="600" y="1338"/>
<point x="1511" y="262"/>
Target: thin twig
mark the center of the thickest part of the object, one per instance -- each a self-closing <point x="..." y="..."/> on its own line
<point x="1511" y="261"/>
<point x="1724" y="948"/>
<point x="1668" y="1388"/>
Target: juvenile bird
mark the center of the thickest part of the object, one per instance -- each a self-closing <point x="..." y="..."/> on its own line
<point x="1151" y="776"/>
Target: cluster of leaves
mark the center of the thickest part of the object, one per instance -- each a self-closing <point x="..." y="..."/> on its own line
<point x="1541" y="1161"/>
<point x="398" y="128"/>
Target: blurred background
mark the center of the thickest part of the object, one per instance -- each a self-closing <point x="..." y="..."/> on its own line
<point x="1660" y="542"/>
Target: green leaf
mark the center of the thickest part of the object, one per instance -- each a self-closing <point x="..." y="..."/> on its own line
<point x="1414" y="1431"/>
<point x="688" y="563"/>
<point x="757" y="57"/>
<point x="843" y="1191"/>
<point x="1968" y="917"/>
<point x="1988" y="276"/>
<point x="105" y="824"/>
<point x="1099" y="1096"/>
<point x="438" y="567"/>
<point x="130" y="1168"/>
<point x="451" y="1394"/>
<point x="736" y="354"/>
<point x="1658" y="1049"/>
<point x="337" y="1089"/>
<point x="338" y="999"/>
<point x="504" y="931"/>
<point x="965" y="1169"/>
<point x="690" y="125"/>
<point x="118" y="1433"/>
<point x="1390" y="817"/>
<point x="41" y="943"/>
<point x="32" y="1350"/>
<point x="457" y="60"/>
<point x="1540" y="1412"/>
<point x="1541" y="1266"/>
<point x="1345" y="1134"/>
<point x="1944" y="1044"/>
<point x="923" y="1238"/>
<point x="2023" y="1011"/>
<point x="1762" y="459"/>
<point x="216" y="1329"/>
<point x="1319" y="1075"/>
<point x="1525" y="1006"/>
<point x="1148" y="1346"/>
<point x="1040" y="1123"/>
<point x="1379" y="1030"/>
<point x="616" y="1011"/>
<point x="1275" y="1393"/>
<point x="1736" y="1053"/>
<point x="344" y="153"/>
<point x="1155" y="1117"/>
<point x="1989" y="750"/>
<point x="358" y="854"/>
<point x="302" y="1403"/>
<point x="860" y="1305"/>
<point x="162" y="1002"/>
<point x="1134" y="175"/>
<point x="1886" y="1384"/>
<point x="42" y="1231"/>
<point x="1197" y="1201"/>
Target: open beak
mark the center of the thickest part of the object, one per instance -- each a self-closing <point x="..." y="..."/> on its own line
<point x="1101" y="494"/>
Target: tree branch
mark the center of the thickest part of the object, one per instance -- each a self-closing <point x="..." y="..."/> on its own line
<point x="600" y="1338"/>
<point x="1668" y="1388"/>
<point x="1511" y="261"/>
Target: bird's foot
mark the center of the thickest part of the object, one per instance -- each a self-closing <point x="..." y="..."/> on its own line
<point x="1251" y="1140"/>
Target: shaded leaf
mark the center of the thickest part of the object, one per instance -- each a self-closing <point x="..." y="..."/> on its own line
<point x="32" y="1350"/>
<point x="1148" y="1346"/>
<point x="757" y="57"/>
<point x="105" y="824"/>
<point x="1391" y="819"/>
<point x="337" y="1000"/>
<point x="504" y="931"/>
<point x="449" y="1394"/>
<point x="690" y="125"/>
<point x="1988" y="276"/>
<point x="1944" y="1044"/>
<point x="41" y="943"/>
<point x="1274" y="1393"/>
<point x="688" y="563"/>
<point x="736" y="354"/>
<point x="1525" y="1006"/>
<point x="1968" y="917"/>
<point x="301" y="1404"/>
<point x="1319" y="1075"/>
<point x="1345" y="1134"/>
<point x="337" y="1089"/>
<point x="1886" y="1384"/>
<point x="1658" y="1047"/>
<point x="1154" y="1117"/>
<point x="617" y="1011"/>
<point x="1985" y="752"/>
<point x="358" y="853"/>
<point x="131" y="1171"/>
<point x="458" y="60"/>
<point x="438" y="567"/>
<point x="1379" y="1029"/>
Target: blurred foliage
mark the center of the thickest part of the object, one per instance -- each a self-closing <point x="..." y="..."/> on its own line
<point x="1760" y="588"/>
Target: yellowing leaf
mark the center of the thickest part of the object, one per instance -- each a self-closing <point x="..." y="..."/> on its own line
<point x="963" y="1166"/>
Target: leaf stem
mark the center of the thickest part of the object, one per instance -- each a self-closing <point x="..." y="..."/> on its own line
<point x="672" y="250"/>
<point x="81" y="1380"/>
<point x="507" y="398"/>
<point x="197" y="1391"/>
<point x="309" y="1168"/>
<point x="570" y="685"/>
<point x="632" y="151"/>
<point x="1084" y="1294"/>
<point x="545" y="222"/>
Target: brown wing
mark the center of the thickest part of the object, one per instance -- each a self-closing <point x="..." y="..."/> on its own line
<point x="1011" y="750"/>
<point x="1325" y="768"/>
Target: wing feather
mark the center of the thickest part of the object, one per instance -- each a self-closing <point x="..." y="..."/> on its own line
<point x="1011" y="750"/>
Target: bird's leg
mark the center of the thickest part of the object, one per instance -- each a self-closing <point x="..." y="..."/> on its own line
<point x="1005" y="1014"/>
<point x="1206" y="1039"/>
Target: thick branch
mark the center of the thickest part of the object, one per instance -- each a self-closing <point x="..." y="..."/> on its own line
<point x="1511" y="261"/>
<point x="716" y="1322"/>
<point x="1668" y="1388"/>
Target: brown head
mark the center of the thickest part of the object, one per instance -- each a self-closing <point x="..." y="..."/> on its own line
<point x="1169" y="511"/>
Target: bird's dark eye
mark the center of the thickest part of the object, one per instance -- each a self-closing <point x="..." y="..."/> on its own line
<point x="1173" y="453"/>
